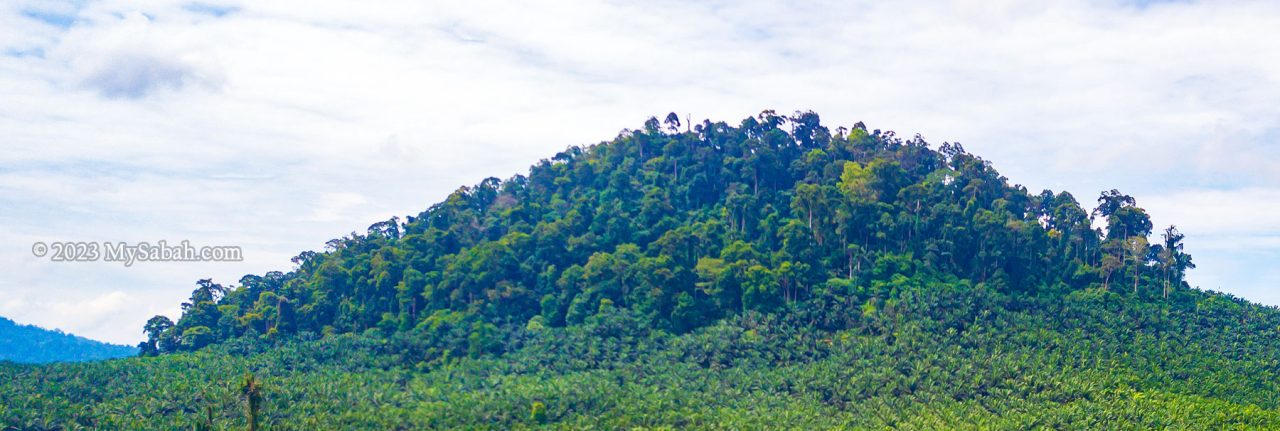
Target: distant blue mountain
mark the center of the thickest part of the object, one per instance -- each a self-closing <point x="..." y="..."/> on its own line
<point x="32" y="344"/>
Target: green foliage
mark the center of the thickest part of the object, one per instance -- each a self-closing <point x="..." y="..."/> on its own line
<point x="538" y="412"/>
<point x="252" y="394"/>
<point x="196" y="337"/>
<point x="769" y="275"/>
<point x="935" y="356"/>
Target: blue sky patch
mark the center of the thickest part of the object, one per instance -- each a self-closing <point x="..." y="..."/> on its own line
<point x="22" y="53"/>
<point x="210" y="9"/>
<point x="52" y="18"/>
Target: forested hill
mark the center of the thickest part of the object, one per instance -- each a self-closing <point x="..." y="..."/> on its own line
<point x="775" y="274"/>
<point x="26" y="343"/>
<point x="683" y="225"/>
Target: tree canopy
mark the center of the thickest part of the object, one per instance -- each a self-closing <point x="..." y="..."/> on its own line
<point x="687" y="227"/>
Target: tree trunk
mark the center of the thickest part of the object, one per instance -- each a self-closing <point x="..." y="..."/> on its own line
<point x="1137" y="275"/>
<point x="850" y="264"/>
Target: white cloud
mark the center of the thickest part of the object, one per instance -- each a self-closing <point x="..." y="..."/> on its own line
<point x="337" y="206"/>
<point x="279" y="125"/>
<point x="132" y="57"/>
<point x="91" y="309"/>
<point x="1232" y="213"/>
<point x="92" y="316"/>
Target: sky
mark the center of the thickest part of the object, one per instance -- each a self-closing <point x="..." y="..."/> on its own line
<point x="276" y="126"/>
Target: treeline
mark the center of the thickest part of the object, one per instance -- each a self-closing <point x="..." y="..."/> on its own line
<point x="684" y="225"/>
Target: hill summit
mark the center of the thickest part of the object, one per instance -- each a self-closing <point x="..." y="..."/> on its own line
<point x="688" y="224"/>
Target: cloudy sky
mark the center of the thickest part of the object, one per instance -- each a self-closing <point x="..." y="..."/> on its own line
<point x="278" y="125"/>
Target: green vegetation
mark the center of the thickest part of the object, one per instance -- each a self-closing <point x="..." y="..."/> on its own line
<point x="26" y="343"/>
<point x="769" y="275"/>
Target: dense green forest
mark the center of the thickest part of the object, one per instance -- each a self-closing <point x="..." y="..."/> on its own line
<point x="27" y="343"/>
<point x="772" y="274"/>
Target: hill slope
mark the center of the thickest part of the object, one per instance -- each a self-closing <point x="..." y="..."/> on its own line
<point x="772" y="274"/>
<point x="26" y="343"/>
